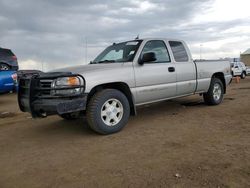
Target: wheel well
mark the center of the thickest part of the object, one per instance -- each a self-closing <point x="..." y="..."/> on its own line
<point x="121" y="86"/>
<point x="4" y="63"/>
<point x="220" y="76"/>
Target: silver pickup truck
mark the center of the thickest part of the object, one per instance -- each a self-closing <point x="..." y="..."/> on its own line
<point x="125" y="75"/>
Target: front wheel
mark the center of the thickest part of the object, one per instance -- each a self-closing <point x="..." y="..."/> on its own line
<point x="108" y="111"/>
<point x="215" y="93"/>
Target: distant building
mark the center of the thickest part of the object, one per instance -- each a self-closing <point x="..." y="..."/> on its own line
<point x="245" y="57"/>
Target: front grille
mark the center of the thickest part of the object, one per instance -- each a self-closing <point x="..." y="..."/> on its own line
<point x="45" y="85"/>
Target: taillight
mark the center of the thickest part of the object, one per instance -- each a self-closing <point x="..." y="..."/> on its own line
<point x="14" y="57"/>
<point x="14" y="77"/>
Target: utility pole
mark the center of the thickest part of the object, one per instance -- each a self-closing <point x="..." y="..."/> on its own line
<point x="86" y="50"/>
<point x="42" y="65"/>
<point x="200" y="51"/>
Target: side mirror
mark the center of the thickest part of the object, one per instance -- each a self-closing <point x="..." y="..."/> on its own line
<point x="147" y="57"/>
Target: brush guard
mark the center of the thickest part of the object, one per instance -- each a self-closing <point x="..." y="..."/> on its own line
<point x="34" y="94"/>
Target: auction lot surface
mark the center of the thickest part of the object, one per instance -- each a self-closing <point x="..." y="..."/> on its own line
<point x="178" y="143"/>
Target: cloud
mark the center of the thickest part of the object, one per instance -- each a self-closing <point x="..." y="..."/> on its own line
<point x="27" y="64"/>
<point x="142" y="7"/>
<point x="55" y="33"/>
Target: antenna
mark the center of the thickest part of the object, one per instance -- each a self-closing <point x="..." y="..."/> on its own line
<point x="137" y="37"/>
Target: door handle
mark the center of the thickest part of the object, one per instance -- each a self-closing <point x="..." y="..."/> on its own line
<point x="171" y="69"/>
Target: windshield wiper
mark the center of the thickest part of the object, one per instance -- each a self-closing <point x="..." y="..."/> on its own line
<point x="104" y="61"/>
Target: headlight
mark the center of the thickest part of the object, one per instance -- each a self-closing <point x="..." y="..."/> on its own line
<point x="68" y="85"/>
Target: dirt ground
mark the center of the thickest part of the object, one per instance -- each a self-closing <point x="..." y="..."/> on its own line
<point x="178" y="143"/>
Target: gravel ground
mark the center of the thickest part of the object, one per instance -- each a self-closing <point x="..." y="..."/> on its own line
<point x="178" y="143"/>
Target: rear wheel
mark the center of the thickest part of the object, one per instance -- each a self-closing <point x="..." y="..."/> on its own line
<point x="3" y="66"/>
<point x="214" y="96"/>
<point x="108" y="111"/>
<point x="243" y="75"/>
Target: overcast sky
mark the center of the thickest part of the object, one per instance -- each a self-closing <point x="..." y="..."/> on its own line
<point x="55" y="32"/>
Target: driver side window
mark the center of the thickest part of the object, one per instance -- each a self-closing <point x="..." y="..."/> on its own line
<point x="160" y="50"/>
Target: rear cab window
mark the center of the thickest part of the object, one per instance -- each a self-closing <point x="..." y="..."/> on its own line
<point x="179" y="51"/>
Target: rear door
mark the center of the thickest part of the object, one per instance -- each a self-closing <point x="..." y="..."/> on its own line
<point x="155" y="80"/>
<point x="185" y="68"/>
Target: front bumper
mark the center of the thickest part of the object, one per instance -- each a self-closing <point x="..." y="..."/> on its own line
<point x="35" y="97"/>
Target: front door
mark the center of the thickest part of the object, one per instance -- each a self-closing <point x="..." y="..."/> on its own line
<point x="237" y="69"/>
<point x="155" y="80"/>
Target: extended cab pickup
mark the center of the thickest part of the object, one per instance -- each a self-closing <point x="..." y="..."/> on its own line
<point x="124" y="76"/>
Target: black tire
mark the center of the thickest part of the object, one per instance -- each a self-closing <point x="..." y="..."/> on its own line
<point x="97" y="105"/>
<point x="70" y="116"/>
<point x="4" y="66"/>
<point x="243" y="75"/>
<point x="232" y="74"/>
<point x="210" y="97"/>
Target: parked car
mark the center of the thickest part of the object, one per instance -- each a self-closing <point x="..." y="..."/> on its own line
<point x="8" y="60"/>
<point x="248" y="70"/>
<point x="125" y="75"/>
<point x="239" y="69"/>
<point x="8" y="81"/>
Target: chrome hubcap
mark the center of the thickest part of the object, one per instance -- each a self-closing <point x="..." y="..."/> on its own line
<point x="217" y="91"/>
<point x="112" y="112"/>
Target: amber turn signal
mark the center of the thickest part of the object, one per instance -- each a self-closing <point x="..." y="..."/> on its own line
<point x="73" y="81"/>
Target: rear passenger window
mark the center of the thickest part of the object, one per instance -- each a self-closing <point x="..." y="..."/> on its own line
<point x="179" y="51"/>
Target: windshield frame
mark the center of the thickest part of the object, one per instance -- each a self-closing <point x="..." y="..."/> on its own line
<point x="99" y="58"/>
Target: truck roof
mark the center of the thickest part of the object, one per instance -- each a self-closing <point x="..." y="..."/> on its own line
<point x="156" y="38"/>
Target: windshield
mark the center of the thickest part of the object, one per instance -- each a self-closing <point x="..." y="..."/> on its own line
<point x="121" y="52"/>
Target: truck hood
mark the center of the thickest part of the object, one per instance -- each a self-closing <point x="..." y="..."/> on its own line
<point x="98" y="74"/>
<point x="81" y="69"/>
